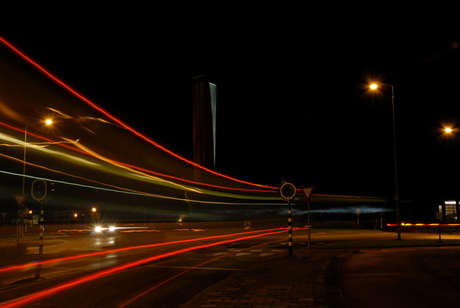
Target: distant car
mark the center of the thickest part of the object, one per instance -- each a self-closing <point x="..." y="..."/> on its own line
<point x="102" y="229"/>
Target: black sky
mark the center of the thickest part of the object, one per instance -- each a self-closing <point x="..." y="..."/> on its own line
<point x="291" y="81"/>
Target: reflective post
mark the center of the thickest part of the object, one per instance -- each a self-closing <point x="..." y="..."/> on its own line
<point x="40" y="241"/>
<point x="38" y="190"/>
<point x="288" y="191"/>
<point x="309" y="230"/>
<point x="290" y="227"/>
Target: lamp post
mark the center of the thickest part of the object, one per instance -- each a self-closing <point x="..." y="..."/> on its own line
<point x="24" y="160"/>
<point x="20" y="218"/>
<point x="47" y="122"/>
<point x="374" y="86"/>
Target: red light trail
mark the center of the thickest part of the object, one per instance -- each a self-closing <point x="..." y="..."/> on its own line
<point x="22" y="266"/>
<point x="67" y="285"/>
<point x="116" y="120"/>
<point x="114" y="162"/>
<point x="134" y="298"/>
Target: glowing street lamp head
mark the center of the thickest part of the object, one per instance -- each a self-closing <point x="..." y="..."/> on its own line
<point x="448" y="130"/>
<point x="48" y="121"/>
<point x="373" y="86"/>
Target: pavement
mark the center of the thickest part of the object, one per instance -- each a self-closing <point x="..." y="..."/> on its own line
<point x="302" y="281"/>
<point x="291" y="281"/>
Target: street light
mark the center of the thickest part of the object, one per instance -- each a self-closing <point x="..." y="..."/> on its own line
<point x="47" y="122"/>
<point x="375" y="86"/>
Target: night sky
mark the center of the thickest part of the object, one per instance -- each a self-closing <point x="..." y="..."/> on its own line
<point x="292" y="99"/>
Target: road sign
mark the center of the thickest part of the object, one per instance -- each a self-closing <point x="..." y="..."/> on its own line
<point x="307" y="191"/>
<point x="287" y="191"/>
<point x="20" y="198"/>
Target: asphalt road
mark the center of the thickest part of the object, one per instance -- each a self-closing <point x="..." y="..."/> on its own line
<point x="171" y="270"/>
<point x="164" y="278"/>
<point x="395" y="278"/>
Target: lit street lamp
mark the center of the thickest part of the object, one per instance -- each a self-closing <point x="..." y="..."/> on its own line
<point x="47" y="122"/>
<point x="375" y="86"/>
<point x="448" y="130"/>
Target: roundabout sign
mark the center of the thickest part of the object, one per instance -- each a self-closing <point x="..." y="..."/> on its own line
<point x="287" y="191"/>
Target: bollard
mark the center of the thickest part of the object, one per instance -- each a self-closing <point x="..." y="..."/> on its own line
<point x="40" y="241"/>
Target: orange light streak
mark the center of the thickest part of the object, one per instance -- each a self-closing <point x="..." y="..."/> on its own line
<point x="405" y="224"/>
<point x="88" y="153"/>
<point x="114" y="162"/>
<point x="116" y="120"/>
<point x="29" y="133"/>
<point x="162" y="175"/>
<point x="118" y="188"/>
<point x="67" y="285"/>
<point x="136" y="169"/>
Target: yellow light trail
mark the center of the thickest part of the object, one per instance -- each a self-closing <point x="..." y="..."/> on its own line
<point x="116" y="120"/>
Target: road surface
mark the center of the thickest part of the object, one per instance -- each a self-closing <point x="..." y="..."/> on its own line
<point x="395" y="278"/>
<point x="147" y="269"/>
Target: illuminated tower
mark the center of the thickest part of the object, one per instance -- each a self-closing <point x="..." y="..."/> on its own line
<point x="204" y="123"/>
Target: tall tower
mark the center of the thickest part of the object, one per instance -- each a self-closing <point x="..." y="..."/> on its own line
<point x="204" y="123"/>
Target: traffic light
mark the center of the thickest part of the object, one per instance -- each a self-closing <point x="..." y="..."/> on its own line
<point x="39" y="189"/>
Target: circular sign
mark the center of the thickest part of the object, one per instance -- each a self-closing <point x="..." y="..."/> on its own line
<point x="287" y="191"/>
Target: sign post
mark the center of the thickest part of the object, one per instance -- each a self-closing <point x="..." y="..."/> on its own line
<point x="358" y="212"/>
<point x="288" y="192"/>
<point x="307" y="191"/>
<point x="20" y="199"/>
<point x="38" y="191"/>
<point x="439" y="219"/>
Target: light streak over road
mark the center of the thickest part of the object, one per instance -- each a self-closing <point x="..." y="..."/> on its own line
<point x="93" y="254"/>
<point x="137" y="296"/>
<point x="73" y="283"/>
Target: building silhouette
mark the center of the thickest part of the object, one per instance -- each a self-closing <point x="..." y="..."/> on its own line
<point x="204" y="123"/>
